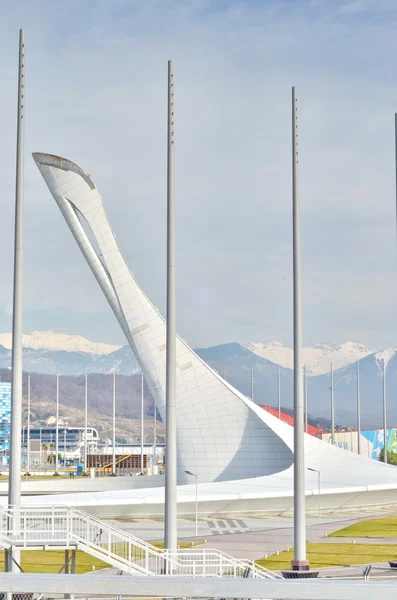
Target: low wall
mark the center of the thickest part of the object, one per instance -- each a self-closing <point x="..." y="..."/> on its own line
<point x="367" y="501"/>
<point x="66" y="485"/>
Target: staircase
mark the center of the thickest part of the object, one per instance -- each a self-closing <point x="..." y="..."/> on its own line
<point x="63" y="527"/>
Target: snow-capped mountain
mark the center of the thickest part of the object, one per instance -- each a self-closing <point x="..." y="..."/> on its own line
<point x="317" y="359"/>
<point x="49" y="340"/>
<point x="53" y="353"/>
<point x="385" y="356"/>
<point x="63" y="354"/>
<point x="61" y="362"/>
<point x="237" y="364"/>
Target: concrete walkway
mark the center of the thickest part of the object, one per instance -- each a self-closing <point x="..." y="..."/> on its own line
<point x="257" y="544"/>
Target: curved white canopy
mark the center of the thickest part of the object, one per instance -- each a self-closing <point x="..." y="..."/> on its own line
<point x="239" y="452"/>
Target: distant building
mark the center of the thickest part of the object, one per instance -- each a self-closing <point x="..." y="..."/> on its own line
<point x="371" y="442"/>
<point x="5" y="415"/>
<point x="70" y="439"/>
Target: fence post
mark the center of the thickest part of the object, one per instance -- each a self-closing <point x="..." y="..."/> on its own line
<point x="166" y="562"/>
<point x="366" y="572"/>
<point x="67" y="527"/>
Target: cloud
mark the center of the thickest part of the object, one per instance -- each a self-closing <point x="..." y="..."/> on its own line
<point x="96" y="93"/>
<point x="354" y="8"/>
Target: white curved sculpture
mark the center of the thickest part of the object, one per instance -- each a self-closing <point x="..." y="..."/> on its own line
<point x="219" y="436"/>
<point x="222" y="435"/>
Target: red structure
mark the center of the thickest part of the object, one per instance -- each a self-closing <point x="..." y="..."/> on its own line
<point x="290" y="420"/>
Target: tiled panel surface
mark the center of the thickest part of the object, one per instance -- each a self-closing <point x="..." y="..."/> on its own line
<point x="219" y="435"/>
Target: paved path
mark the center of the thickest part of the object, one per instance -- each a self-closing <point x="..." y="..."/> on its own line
<point x="257" y="544"/>
<point x="253" y="538"/>
<point x="149" y="529"/>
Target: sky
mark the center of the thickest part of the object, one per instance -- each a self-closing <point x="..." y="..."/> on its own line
<point x="96" y="93"/>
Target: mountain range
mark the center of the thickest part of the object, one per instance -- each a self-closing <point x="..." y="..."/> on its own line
<point x="316" y="359"/>
<point x="51" y="353"/>
<point x="49" y="340"/>
<point x="235" y="362"/>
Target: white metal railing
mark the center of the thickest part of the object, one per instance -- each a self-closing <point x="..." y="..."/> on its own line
<point x="214" y="563"/>
<point x="68" y="527"/>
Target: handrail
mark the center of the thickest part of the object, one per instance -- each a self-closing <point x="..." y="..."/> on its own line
<point x="68" y="512"/>
<point x="67" y="525"/>
<point x="224" y="563"/>
<point x="120" y="532"/>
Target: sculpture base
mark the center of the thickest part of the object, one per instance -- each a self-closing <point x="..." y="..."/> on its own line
<point x="299" y="570"/>
<point x="393" y="563"/>
<point x="306" y="574"/>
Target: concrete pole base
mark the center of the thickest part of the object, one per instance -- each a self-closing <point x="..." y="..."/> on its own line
<point x="393" y="563"/>
<point x="299" y="570"/>
<point x="299" y="565"/>
<point x="306" y="574"/>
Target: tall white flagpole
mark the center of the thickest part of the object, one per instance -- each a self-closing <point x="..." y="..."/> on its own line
<point x="279" y="391"/>
<point x="85" y="422"/>
<point x="305" y="384"/>
<point x="384" y="414"/>
<point x="299" y="562"/>
<point x="57" y="431"/>
<point x="170" y="520"/>
<point x="142" y="422"/>
<point x="332" y="406"/>
<point x="395" y="157"/>
<point x="155" y="434"/>
<point x="14" y="487"/>
<point x="358" y="410"/>
<point x="114" y="426"/>
<point x="28" y="435"/>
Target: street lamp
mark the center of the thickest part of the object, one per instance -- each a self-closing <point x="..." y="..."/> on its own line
<point x="193" y="475"/>
<point x="318" y="491"/>
<point x="332" y="407"/>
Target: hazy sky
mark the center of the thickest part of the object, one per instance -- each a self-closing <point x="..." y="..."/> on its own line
<point x="96" y="93"/>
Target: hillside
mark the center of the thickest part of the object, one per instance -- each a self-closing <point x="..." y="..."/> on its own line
<point x="73" y="356"/>
<point x="100" y="390"/>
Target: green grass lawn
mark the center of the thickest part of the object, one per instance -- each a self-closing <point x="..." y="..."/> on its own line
<point x="385" y="527"/>
<point x="184" y="544"/>
<point x="334" y="555"/>
<point x="50" y="561"/>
